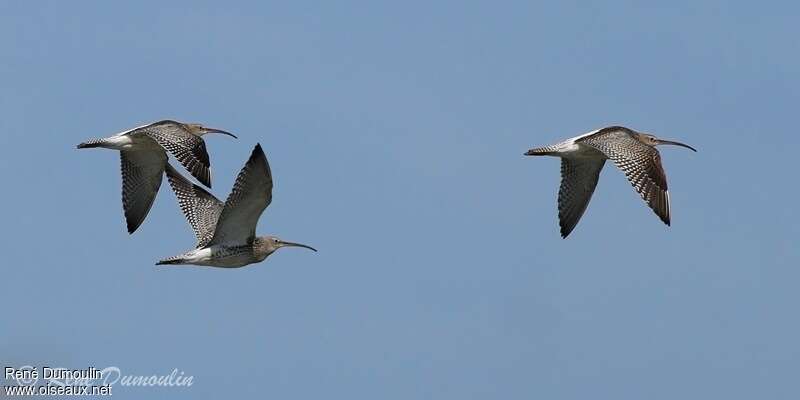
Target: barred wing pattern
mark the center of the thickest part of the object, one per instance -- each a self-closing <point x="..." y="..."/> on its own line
<point x="640" y="163"/>
<point x="200" y="208"/>
<point x="578" y="181"/>
<point x="251" y="194"/>
<point x="141" y="179"/>
<point x="188" y="148"/>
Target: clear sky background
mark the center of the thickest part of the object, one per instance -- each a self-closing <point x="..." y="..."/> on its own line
<point x="395" y="132"/>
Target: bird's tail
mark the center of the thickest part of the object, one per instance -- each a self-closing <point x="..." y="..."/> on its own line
<point x="541" y="151"/>
<point x="91" y="143"/>
<point x="171" y="261"/>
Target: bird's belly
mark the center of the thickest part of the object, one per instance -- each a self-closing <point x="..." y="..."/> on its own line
<point x="227" y="257"/>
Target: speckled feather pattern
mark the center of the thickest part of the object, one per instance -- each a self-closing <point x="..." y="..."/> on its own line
<point x="141" y="179"/>
<point x="220" y="256"/>
<point x="578" y="180"/>
<point x="250" y="196"/>
<point x="640" y="163"/>
<point x="188" y="148"/>
<point x="226" y="232"/>
<point x="200" y="207"/>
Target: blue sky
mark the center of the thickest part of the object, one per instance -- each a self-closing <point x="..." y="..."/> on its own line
<point x="395" y="133"/>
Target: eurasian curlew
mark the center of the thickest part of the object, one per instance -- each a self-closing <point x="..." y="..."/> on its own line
<point x="143" y="157"/>
<point x="583" y="157"/>
<point x="226" y="232"/>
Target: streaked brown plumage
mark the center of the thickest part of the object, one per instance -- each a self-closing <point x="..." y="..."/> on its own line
<point x="583" y="157"/>
<point x="143" y="157"/>
<point x="226" y="232"/>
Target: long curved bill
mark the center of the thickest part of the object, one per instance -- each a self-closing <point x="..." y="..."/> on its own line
<point x="290" y="244"/>
<point x="213" y="130"/>
<point x="660" y="141"/>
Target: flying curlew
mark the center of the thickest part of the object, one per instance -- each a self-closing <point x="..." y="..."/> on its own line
<point x="143" y="157"/>
<point x="226" y="232"/>
<point x="583" y="157"/>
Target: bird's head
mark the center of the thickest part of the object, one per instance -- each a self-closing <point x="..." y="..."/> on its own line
<point x="270" y="244"/>
<point x="201" y="130"/>
<point x="651" y="140"/>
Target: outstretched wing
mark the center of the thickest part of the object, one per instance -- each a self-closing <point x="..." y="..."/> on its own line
<point x="251" y="194"/>
<point x="200" y="208"/>
<point x="141" y="179"/>
<point x="188" y="148"/>
<point x="640" y="163"/>
<point x="578" y="181"/>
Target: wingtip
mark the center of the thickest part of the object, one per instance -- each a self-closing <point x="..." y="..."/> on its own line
<point x="258" y="152"/>
<point x="565" y="231"/>
<point x="132" y="224"/>
<point x="664" y="218"/>
<point x="205" y="180"/>
<point x="170" y="171"/>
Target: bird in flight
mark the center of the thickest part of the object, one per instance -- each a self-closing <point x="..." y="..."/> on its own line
<point x="143" y="155"/>
<point x="583" y="157"/>
<point x="226" y="232"/>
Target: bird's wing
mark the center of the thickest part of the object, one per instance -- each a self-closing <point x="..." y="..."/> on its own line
<point x="141" y="178"/>
<point x="200" y="208"/>
<point x="251" y="194"/>
<point x="578" y="180"/>
<point x="640" y="163"/>
<point x="188" y="148"/>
